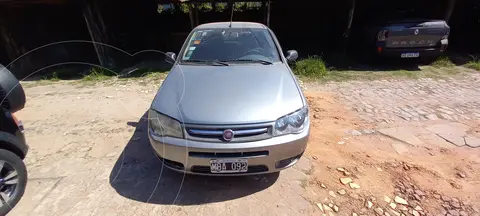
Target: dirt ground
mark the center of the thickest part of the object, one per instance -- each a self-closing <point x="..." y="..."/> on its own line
<point x="89" y="155"/>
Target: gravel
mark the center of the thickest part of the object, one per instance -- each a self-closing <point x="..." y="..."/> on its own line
<point x="379" y="211"/>
<point x="453" y="212"/>
<point x="392" y="101"/>
<point x="400" y="200"/>
<point x="354" y="185"/>
<point x="369" y="204"/>
<point x="345" y="180"/>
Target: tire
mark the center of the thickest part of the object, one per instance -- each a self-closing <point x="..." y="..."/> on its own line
<point x="11" y="160"/>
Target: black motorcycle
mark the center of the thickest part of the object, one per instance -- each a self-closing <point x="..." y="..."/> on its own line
<point x="13" y="148"/>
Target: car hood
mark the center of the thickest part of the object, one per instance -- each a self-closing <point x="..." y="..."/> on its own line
<point x="236" y="94"/>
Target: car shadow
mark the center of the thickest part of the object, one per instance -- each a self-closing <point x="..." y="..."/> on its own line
<point x="139" y="175"/>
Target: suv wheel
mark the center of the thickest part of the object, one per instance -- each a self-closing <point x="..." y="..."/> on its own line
<point x="13" y="180"/>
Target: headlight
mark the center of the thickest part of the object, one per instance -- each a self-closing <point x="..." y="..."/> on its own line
<point x="291" y="123"/>
<point x="163" y="125"/>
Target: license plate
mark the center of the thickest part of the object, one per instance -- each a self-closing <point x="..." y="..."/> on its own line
<point x="228" y="165"/>
<point x="410" y="55"/>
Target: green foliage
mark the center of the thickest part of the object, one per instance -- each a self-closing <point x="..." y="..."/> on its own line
<point x="312" y="67"/>
<point x="442" y="62"/>
<point x="156" y="75"/>
<point x="160" y="8"/>
<point x="166" y="8"/>
<point x="405" y="73"/>
<point x="205" y="7"/>
<point x="53" y="77"/>
<point x="474" y="64"/>
<point x="242" y="6"/>
<point x="220" y="6"/>
<point x="98" y="74"/>
<point x="184" y="8"/>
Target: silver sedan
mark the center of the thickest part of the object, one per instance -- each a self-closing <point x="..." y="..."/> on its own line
<point x="230" y="104"/>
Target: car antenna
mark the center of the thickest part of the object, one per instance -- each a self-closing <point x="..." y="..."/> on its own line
<point x="231" y="15"/>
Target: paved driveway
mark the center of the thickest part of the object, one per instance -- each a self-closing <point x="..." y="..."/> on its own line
<point x="90" y="154"/>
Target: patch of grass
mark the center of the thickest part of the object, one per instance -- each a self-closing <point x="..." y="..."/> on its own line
<point x="42" y="82"/>
<point x="312" y="67"/>
<point x="53" y="77"/>
<point x="98" y="74"/>
<point x="155" y="75"/>
<point x="475" y="64"/>
<point x="442" y="62"/>
<point x="405" y="73"/>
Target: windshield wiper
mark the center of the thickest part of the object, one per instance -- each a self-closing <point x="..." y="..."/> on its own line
<point x="211" y="62"/>
<point x="250" y="60"/>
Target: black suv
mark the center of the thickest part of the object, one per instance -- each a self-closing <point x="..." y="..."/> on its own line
<point x="13" y="148"/>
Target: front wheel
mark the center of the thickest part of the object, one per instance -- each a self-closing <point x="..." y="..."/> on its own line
<point x="13" y="180"/>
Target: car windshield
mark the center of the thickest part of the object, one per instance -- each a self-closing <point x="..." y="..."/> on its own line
<point x="231" y="45"/>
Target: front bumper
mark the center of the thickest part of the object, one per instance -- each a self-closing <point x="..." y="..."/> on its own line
<point x="264" y="156"/>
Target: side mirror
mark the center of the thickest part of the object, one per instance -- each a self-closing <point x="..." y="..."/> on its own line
<point x="292" y="55"/>
<point x="171" y="57"/>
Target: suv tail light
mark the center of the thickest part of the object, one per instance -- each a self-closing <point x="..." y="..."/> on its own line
<point x="382" y="35"/>
<point x="18" y="122"/>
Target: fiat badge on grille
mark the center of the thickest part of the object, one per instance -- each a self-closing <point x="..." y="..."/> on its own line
<point x="228" y="135"/>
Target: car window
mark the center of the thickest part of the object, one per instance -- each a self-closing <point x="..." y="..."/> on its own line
<point x="231" y="44"/>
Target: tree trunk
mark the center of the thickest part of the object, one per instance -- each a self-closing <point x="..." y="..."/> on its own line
<point x="191" y="15"/>
<point x="98" y="32"/>
<point x="450" y="7"/>
<point x="268" y="12"/>
<point x="196" y="15"/>
<point x="346" y="34"/>
<point x="263" y="8"/>
<point x="230" y="9"/>
<point x="12" y="48"/>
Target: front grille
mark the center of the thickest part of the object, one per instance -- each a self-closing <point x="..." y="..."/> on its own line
<point x="219" y="133"/>
<point x="242" y="133"/>
<point x="251" y="169"/>
<point x="228" y="154"/>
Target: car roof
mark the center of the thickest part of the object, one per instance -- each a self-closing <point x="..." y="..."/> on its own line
<point x="234" y="25"/>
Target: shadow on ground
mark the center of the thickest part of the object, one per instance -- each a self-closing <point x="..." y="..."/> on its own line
<point x="139" y="175"/>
